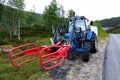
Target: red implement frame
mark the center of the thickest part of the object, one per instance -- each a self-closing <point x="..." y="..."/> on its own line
<point x="16" y="54"/>
<point x="46" y="54"/>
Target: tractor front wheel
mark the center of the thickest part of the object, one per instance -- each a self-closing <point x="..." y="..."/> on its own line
<point x="86" y="54"/>
<point x="86" y="57"/>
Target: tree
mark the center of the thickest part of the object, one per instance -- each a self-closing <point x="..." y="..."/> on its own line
<point x="61" y="18"/>
<point x="19" y="5"/>
<point x="61" y="12"/>
<point x="71" y="13"/>
<point x="1" y="9"/>
<point x="31" y="18"/>
<point x="1" y="12"/>
<point x="50" y="16"/>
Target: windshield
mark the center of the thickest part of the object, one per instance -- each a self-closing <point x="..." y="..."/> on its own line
<point x="78" y="24"/>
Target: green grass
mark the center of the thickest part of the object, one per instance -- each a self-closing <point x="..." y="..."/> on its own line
<point x="101" y="33"/>
<point x="29" y="71"/>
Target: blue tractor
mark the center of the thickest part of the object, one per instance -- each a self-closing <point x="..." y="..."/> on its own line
<point x="82" y="39"/>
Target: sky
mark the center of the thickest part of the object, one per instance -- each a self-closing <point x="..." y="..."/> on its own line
<point x="92" y="9"/>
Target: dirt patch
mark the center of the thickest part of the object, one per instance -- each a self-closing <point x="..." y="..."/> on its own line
<point x="6" y="48"/>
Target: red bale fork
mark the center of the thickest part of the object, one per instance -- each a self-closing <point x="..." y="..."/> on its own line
<point x="53" y="55"/>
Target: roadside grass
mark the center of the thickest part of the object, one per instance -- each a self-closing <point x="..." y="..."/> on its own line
<point x="29" y="71"/>
<point x="101" y="33"/>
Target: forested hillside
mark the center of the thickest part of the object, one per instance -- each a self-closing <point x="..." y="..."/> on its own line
<point x="115" y="30"/>
<point x="9" y="22"/>
<point x="110" y="22"/>
<point x="15" y="23"/>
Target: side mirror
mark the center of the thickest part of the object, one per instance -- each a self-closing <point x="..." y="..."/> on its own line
<point x="91" y="23"/>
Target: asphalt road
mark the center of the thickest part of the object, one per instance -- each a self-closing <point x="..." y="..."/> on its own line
<point x="111" y="70"/>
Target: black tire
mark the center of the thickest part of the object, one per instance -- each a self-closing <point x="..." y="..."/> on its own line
<point x="86" y="57"/>
<point x="86" y="54"/>
<point x="94" y="44"/>
<point x="70" y="55"/>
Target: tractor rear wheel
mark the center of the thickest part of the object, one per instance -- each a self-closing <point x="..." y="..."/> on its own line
<point x="94" y="44"/>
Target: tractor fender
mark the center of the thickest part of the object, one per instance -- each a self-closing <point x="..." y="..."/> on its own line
<point x="89" y="35"/>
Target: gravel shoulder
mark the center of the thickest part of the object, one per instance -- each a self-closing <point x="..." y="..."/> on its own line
<point x="79" y="70"/>
<point x="91" y="70"/>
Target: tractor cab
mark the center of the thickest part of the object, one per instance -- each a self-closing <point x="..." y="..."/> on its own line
<point x="80" y="24"/>
<point x="78" y="27"/>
